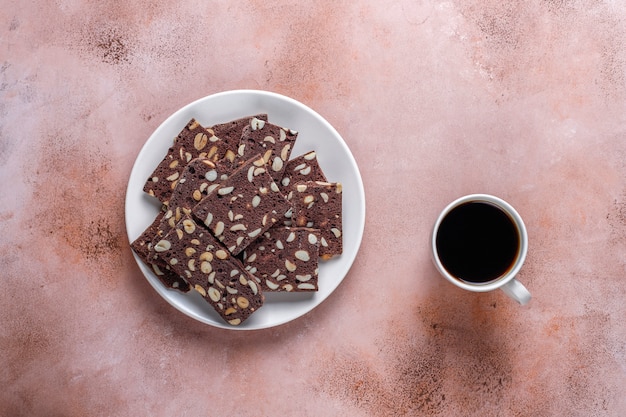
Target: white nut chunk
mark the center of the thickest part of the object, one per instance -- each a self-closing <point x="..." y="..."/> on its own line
<point x="257" y="124"/>
<point x="200" y="290"/>
<point x="219" y="228"/>
<point x="214" y="294"/>
<point x="189" y="226"/>
<point x="271" y="285"/>
<point x="211" y="175"/>
<point x="221" y="254"/>
<point x="225" y="190"/>
<point x="277" y="164"/>
<point x="200" y="141"/>
<point x="290" y="265"/>
<point x="162" y="246"/>
<point x="306" y="286"/>
<point x="302" y="255"/>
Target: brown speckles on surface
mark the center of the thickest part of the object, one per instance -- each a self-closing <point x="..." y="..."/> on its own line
<point x="477" y="355"/>
<point x="502" y="25"/>
<point x="77" y="204"/>
<point x="349" y="378"/>
<point x="15" y="24"/>
<point x="308" y="64"/>
<point x="616" y="219"/>
<point x="451" y="355"/>
<point x="552" y="41"/>
<point x="103" y="41"/>
<point x="28" y="339"/>
<point x="113" y="47"/>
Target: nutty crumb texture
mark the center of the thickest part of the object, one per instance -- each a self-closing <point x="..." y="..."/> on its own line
<point x="227" y="193"/>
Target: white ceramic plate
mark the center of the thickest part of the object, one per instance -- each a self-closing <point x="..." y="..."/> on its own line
<point x="314" y="133"/>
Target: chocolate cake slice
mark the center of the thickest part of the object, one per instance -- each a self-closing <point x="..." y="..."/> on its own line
<point x="194" y="141"/>
<point x="273" y="142"/>
<point x="318" y="205"/>
<point x="243" y="206"/>
<point x="285" y="259"/>
<point x="199" y="178"/>
<point x="194" y="253"/>
<point x="301" y="168"/>
<point x="142" y="246"/>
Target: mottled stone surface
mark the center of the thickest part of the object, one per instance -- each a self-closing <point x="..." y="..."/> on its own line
<point x="524" y="100"/>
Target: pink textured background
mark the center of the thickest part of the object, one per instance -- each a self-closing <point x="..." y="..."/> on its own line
<point x="525" y="100"/>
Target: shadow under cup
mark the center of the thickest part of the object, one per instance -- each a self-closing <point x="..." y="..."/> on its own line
<point x="478" y="241"/>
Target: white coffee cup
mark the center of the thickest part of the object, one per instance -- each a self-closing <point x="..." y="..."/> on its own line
<point x="507" y="281"/>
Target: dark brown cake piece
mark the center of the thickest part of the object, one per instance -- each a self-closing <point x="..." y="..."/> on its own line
<point x="168" y="277"/>
<point x="190" y="143"/>
<point x="194" y="253"/>
<point x="194" y="141"/>
<point x="230" y="133"/>
<point x="301" y="168"/>
<point x="273" y="142"/>
<point x="318" y="205"/>
<point x="142" y="246"/>
<point x="199" y="178"/>
<point x="285" y="259"/>
<point x="243" y="207"/>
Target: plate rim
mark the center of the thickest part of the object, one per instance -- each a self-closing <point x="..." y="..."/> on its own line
<point x="245" y="92"/>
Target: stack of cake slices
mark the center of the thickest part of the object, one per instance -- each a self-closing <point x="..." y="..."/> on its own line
<point x="240" y="216"/>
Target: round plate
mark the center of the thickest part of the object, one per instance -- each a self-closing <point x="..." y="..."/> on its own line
<point x="314" y="133"/>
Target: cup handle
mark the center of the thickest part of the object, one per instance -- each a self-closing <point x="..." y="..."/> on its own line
<point x="516" y="291"/>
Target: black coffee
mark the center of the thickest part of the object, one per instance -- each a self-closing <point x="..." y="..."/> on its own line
<point x="477" y="242"/>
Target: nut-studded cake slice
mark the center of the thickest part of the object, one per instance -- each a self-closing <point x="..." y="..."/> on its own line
<point x="199" y="178"/>
<point x="285" y="259"/>
<point x="194" y="141"/>
<point x="142" y="246"/>
<point x="301" y="168"/>
<point x="273" y="142"/>
<point x="243" y="207"/>
<point x="230" y="133"/>
<point x="220" y="278"/>
<point x="318" y="205"/>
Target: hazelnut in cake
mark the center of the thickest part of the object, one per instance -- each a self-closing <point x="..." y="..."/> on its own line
<point x="194" y="253"/>
<point x="143" y="245"/>
<point x="318" y="205"/>
<point x="194" y="141"/>
<point x="285" y="259"/>
<point x="243" y="206"/>
<point x="273" y="142"/>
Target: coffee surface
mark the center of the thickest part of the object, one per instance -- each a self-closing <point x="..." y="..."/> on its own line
<point x="477" y="242"/>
